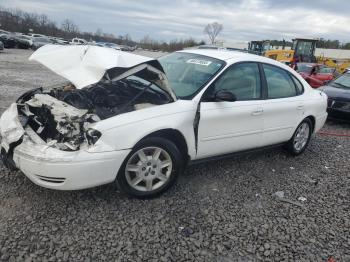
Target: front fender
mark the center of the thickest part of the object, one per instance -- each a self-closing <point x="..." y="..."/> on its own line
<point x="128" y="135"/>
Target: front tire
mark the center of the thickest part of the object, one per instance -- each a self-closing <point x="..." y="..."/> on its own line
<point x="151" y="168"/>
<point x="301" y="138"/>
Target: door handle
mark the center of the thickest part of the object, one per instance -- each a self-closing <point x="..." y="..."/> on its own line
<point x="258" y="111"/>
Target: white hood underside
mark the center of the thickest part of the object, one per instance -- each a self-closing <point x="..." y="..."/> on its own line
<point x="84" y="65"/>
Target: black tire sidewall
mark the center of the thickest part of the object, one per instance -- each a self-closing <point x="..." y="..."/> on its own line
<point x="290" y="145"/>
<point x="176" y="158"/>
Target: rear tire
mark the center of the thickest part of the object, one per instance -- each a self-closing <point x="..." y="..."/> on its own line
<point x="301" y="138"/>
<point x="151" y="168"/>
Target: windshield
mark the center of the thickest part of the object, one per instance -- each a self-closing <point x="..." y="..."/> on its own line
<point x="304" y="48"/>
<point x="326" y="70"/>
<point x="188" y="73"/>
<point x="266" y="46"/>
<point x="342" y="81"/>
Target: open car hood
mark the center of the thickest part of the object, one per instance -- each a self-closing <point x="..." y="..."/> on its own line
<point x="84" y="65"/>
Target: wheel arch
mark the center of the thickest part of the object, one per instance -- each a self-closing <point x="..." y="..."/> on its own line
<point x="313" y="121"/>
<point x="174" y="136"/>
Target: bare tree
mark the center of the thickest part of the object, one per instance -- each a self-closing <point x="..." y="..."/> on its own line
<point x="98" y="32"/>
<point x="43" y="20"/>
<point x="213" y="30"/>
<point x="69" y="26"/>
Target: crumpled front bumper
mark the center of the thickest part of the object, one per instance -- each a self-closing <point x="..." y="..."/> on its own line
<point x="53" y="168"/>
<point x="11" y="133"/>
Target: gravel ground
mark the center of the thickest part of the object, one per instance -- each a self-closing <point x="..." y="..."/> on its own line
<point x="220" y="211"/>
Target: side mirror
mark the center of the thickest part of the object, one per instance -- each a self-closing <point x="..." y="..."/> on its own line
<point x="224" y="95"/>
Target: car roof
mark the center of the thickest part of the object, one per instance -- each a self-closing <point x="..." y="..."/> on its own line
<point x="233" y="56"/>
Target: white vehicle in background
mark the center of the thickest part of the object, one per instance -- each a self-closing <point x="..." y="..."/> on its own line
<point x="139" y="121"/>
<point x="78" y="41"/>
<point x="59" y="41"/>
<point x="26" y="38"/>
<point x="36" y="35"/>
<point x="113" y="45"/>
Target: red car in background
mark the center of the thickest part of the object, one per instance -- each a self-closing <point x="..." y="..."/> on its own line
<point x="316" y="74"/>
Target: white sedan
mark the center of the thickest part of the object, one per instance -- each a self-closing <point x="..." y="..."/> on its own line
<point x="138" y="122"/>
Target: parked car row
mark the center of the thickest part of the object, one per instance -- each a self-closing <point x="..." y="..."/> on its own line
<point x="35" y="41"/>
<point x="116" y="46"/>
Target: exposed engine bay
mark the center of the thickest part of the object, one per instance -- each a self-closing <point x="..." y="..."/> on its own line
<point x="61" y="115"/>
<point x="103" y="83"/>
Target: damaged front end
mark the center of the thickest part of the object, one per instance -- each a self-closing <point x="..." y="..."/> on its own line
<point x="62" y="115"/>
<point x="57" y="123"/>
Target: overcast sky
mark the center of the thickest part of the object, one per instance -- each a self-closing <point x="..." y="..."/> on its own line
<point x="243" y="20"/>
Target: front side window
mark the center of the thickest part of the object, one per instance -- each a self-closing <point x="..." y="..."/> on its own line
<point x="304" y="48"/>
<point x="243" y="80"/>
<point x="188" y="73"/>
<point x="279" y="82"/>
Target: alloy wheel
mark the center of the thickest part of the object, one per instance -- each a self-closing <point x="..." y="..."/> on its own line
<point x="301" y="137"/>
<point x="148" y="169"/>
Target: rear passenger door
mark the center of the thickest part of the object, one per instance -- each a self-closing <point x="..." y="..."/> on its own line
<point x="284" y="106"/>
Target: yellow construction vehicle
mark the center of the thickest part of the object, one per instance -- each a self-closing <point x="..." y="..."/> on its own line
<point x="283" y="56"/>
<point x="341" y="67"/>
<point x="303" y="50"/>
<point x="259" y="47"/>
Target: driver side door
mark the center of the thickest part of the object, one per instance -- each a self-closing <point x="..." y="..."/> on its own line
<point x="227" y="127"/>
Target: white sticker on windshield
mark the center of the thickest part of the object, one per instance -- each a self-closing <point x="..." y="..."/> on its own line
<point x="199" y="62"/>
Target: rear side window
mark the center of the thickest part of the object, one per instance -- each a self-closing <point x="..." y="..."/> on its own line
<point x="298" y="85"/>
<point x="243" y="80"/>
<point x="279" y="82"/>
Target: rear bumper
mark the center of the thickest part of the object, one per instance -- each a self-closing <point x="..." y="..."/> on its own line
<point x="51" y="168"/>
<point x="320" y="121"/>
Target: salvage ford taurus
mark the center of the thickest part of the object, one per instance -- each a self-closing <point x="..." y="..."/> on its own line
<point x="138" y="121"/>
